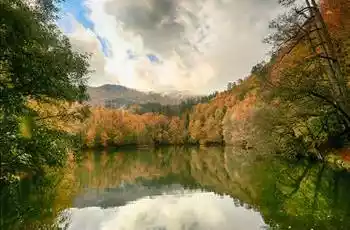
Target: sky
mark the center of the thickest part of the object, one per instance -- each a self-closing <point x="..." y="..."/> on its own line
<point x="196" y="46"/>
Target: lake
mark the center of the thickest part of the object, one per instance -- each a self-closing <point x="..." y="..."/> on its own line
<point x="178" y="188"/>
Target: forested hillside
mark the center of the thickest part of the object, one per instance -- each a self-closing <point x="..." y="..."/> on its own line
<point x="298" y="103"/>
<point x="117" y="96"/>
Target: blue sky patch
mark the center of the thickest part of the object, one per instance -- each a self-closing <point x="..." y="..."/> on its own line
<point x="153" y="58"/>
<point x="105" y="46"/>
<point x="79" y="11"/>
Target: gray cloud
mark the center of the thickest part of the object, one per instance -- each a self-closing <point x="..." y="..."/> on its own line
<point x="154" y="20"/>
<point x="223" y="34"/>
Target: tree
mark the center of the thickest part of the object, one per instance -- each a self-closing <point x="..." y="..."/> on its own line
<point x="36" y="64"/>
<point x="176" y="131"/>
<point x="305" y="26"/>
<point x="307" y="77"/>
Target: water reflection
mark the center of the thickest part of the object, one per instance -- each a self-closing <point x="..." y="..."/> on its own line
<point x="183" y="210"/>
<point x="198" y="187"/>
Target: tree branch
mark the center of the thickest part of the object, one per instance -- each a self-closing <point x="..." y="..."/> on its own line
<point x="332" y="103"/>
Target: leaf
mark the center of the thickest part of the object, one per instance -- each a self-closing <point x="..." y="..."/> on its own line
<point x="26" y="126"/>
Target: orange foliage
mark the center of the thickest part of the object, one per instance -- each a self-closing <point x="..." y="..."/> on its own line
<point x="236" y="123"/>
<point x="118" y="127"/>
<point x="225" y="99"/>
<point x="243" y="109"/>
<point x="345" y="153"/>
<point x="336" y="14"/>
<point x="176" y="131"/>
<point x="205" y="125"/>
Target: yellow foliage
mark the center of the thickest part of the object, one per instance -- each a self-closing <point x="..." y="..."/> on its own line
<point x="25" y="127"/>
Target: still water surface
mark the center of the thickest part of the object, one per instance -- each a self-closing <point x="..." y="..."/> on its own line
<point x="183" y="189"/>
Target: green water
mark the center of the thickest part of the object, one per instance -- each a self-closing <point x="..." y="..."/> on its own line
<point x="181" y="188"/>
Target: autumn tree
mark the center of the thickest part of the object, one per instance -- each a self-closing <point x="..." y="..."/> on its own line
<point x="305" y="28"/>
<point x="177" y="132"/>
<point x="307" y="75"/>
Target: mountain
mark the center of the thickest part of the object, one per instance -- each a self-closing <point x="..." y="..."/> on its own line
<point x="120" y="96"/>
<point x="183" y="95"/>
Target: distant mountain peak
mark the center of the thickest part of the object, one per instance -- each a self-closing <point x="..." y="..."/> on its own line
<point x="111" y="87"/>
<point x="120" y="96"/>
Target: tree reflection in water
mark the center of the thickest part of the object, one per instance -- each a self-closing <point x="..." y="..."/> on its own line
<point x="288" y="194"/>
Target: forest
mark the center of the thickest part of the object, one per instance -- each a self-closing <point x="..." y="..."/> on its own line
<point x="296" y="104"/>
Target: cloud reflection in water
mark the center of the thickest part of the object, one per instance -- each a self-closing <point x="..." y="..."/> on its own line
<point x="191" y="210"/>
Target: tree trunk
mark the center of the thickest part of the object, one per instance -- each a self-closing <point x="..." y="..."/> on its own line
<point x="334" y="73"/>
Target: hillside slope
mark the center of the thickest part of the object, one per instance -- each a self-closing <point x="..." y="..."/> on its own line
<point x="119" y="96"/>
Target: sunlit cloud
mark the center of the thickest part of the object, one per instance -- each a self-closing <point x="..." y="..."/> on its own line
<point x="199" y="45"/>
<point x="84" y="40"/>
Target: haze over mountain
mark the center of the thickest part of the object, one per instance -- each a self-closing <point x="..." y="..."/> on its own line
<point x="119" y="96"/>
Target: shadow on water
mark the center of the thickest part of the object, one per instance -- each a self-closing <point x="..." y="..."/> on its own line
<point x="297" y="195"/>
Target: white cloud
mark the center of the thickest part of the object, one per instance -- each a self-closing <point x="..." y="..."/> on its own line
<point x="85" y="40"/>
<point x="180" y="210"/>
<point x="202" y="44"/>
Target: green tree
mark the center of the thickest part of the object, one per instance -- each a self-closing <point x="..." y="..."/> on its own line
<point x="36" y="64"/>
